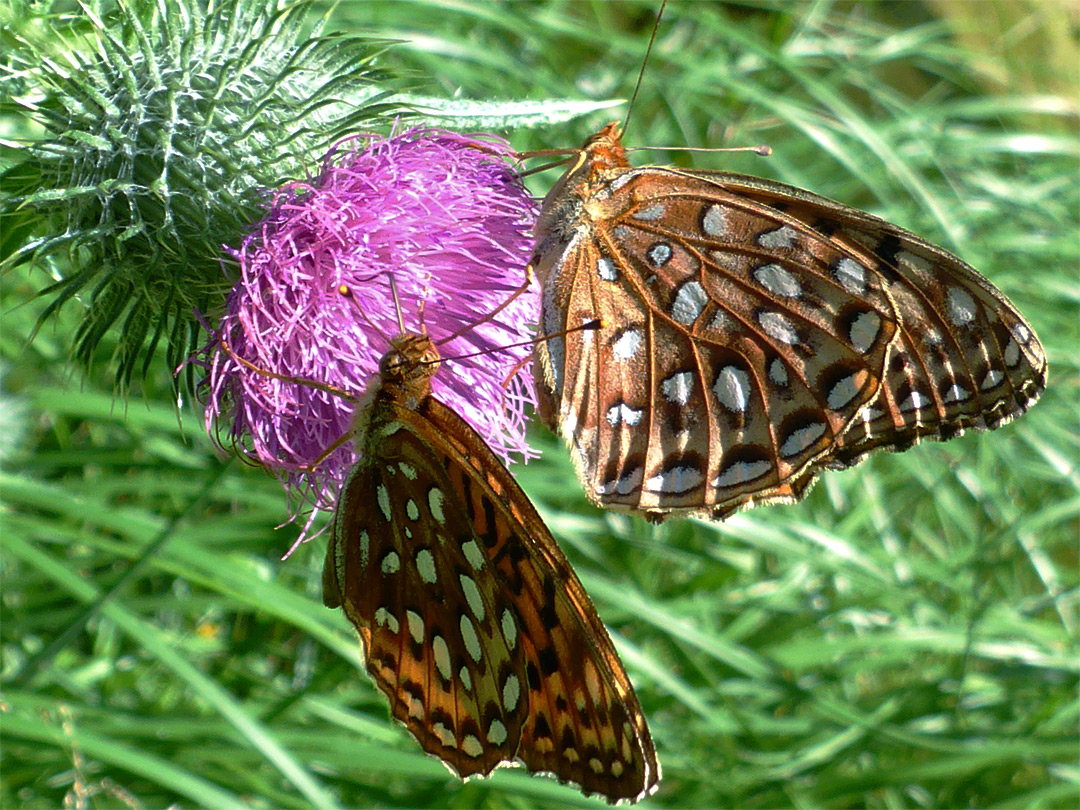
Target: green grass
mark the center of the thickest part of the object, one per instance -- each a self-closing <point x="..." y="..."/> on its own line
<point x="905" y="637"/>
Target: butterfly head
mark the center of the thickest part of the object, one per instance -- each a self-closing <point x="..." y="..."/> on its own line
<point x="411" y="358"/>
<point x="609" y="139"/>
<point x="602" y="151"/>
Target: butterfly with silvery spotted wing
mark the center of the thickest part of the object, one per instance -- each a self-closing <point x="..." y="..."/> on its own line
<point x="754" y="335"/>
<point x="472" y="621"/>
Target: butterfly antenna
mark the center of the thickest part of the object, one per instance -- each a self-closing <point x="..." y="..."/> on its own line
<point x="397" y="305"/>
<point x="491" y="315"/>
<point x="644" y="64"/>
<point x="595" y="323"/>
<point x="764" y="150"/>
<point x="346" y="291"/>
<point x="554" y="164"/>
<point x="425" y="291"/>
<point x="262" y="372"/>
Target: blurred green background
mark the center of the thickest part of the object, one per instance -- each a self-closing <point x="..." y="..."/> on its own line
<point x="905" y="637"/>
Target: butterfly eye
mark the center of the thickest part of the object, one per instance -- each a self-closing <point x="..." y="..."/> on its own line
<point x="391" y="363"/>
<point x="607" y="134"/>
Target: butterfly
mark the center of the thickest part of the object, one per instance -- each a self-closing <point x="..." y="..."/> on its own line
<point x="473" y="623"/>
<point x="754" y="335"/>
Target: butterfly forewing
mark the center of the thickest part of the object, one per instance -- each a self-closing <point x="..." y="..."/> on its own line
<point x="584" y="722"/>
<point x="753" y="334"/>
<point x="473" y="622"/>
<point x="403" y="543"/>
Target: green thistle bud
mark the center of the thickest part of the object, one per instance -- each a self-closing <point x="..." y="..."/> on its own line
<point x="162" y="123"/>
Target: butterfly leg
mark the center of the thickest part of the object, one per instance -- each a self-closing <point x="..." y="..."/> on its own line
<point x="262" y="372"/>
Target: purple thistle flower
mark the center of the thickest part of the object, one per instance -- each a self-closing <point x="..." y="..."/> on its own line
<point x="444" y="213"/>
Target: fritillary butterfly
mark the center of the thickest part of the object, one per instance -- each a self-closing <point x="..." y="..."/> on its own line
<point x="472" y="621"/>
<point x="754" y="335"/>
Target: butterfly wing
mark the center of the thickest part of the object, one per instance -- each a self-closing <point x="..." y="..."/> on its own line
<point x="411" y="610"/>
<point x="753" y="335"/>
<point x="473" y="622"/>
<point x="964" y="357"/>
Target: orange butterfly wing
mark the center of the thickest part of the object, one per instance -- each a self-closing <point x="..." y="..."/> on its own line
<point x="473" y="622"/>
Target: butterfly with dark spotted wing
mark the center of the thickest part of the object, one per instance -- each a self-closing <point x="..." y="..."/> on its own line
<point x="472" y="621"/>
<point x="754" y="335"/>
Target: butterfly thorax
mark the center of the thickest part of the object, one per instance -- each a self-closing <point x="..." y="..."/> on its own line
<point x="404" y="381"/>
<point x="581" y="197"/>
